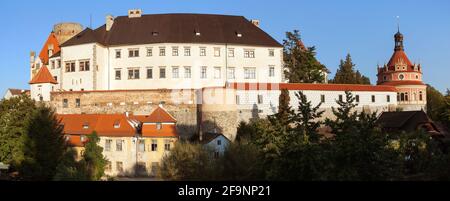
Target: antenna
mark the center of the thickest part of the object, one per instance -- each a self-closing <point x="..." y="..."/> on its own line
<point x="398" y="23"/>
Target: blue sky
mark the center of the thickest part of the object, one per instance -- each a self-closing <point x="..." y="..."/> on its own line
<point x="364" y="29"/>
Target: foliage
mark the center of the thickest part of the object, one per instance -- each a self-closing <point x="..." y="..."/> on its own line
<point x="435" y="103"/>
<point x="93" y="159"/>
<point x="69" y="169"/>
<point x="346" y="74"/>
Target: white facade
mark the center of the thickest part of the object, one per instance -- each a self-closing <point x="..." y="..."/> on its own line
<point x="218" y="145"/>
<point x="41" y="91"/>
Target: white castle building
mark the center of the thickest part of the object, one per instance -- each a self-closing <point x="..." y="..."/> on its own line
<point x="210" y="72"/>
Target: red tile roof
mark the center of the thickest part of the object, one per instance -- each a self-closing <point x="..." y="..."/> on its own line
<point x="103" y="124"/>
<point x="399" y="56"/>
<point x="404" y="82"/>
<point x="43" y="76"/>
<point x="307" y="86"/>
<point x="159" y="115"/>
<point x="167" y="130"/>
<point x="43" y="55"/>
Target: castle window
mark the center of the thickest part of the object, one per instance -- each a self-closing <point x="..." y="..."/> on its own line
<point x="154" y="145"/>
<point x="175" y="72"/>
<point x="357" y="98"/>
<point x="119" y="144"/>
<point x="187" y="72"/>
<point x="118" y="74"/>
<point x="203" y="51"/>
<point x="417" y="77"/>
<point x="217" y="73"/>
<point x="249" y="73"/>
<point x="401" y="77"/>
<point x="230" y="52"/>
<point x="271" y="53"/>
<point x="149" y="73"/>
<point x="271" y="71"/>
<point x="149" y="51"/>
<point x="373" y="98"/>
<point x="174" y="51"/>
<point x="388" y="98"/>
<point x="108" y="145"/>
<point x="420" y="96"/>
<point x="162" y="51"/>
<point x="217" y="51"/>
<point x="77" y="102"/>
<point x="162" y="72"/>
<point x="70" y="66"/>
<point x="84" y="65"/>
<point x="65" y="103"/>
<point x="322" y="98"/>
<point x="231" y="73"/>
<point x="133" y="53"/>
<point x="133" y="74"/>
<point x="204" y="71"/>
<point x="118" y="54"/>
<point x="187" y="51"/>
<point x="249" y="53"/>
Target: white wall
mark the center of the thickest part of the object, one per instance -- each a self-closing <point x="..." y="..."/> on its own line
<point x="79" y="79"/>
<point x="218" y="148"/>
<point x="42" y="89"/>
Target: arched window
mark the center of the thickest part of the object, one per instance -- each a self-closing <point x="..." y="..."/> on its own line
<point x="406" y="96"/>
<point x="420" y="96"/>
<point x="402" y="97"/>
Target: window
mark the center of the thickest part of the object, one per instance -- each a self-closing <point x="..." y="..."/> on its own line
<point x="217" y="72"/>
<point x="166" y="145"/>
<point x="133" y="53"/>
<point x="216" y="154"/>
<point x="271" y="71"/>
<point x="117" y="124"/>
<point x="154" y="145"/>
<point x="231" y="73"/>
<point x="230" y="52"/>
<point x="203" y="74"/>
<point x="53" y="64"/>
<point x="65" y="103"/>
<point x="149" y="52"/>
<point x="174" y="51"/>
<point x="249" y="73"/>
<point x="85" y="125"/>
<point x="133" y="74"/>
<point x="322" y="98"/>
<point x="149" y="73"/>
<point x="158" y="126"/>
<point x="341" y="98"/>
<point x="402" y="97"/>
<point x="155" y="166"/>
<point x="175" y="72"/>
<point x="187" y="72"/>
<point x="357" y="98"/>
<point x="118" y="54"/>
<point x="119" y="144"/>
<point x="217" y="51"/>
<point x="219" y="142"/>
<point x="84" y="66"/>
<point x="82" y="138"/>
<point x="420" y="96"/>
<point x="249" y="53"/>
<point x="55" y="77"/>
<point x="108" y="166"/>
<point x="401" y="77"/>
<point x="187" y="51"/>
<point x="118" y="74"/>
<point x="162" y="51"/>
<point x="119" y="166"/>
<point x="58" y="63"/>
<point x="70" y="66"/>
<point x="202" y="51"/>
<point x="271" y="53"/>
<point x="162" y="72"/>
<point x="260" y="99"/>
<point x="108" y="145"/>
<point x="77" y="102"/>
<point x="141" y="145"/>
<point x="406" y="96"/>
<point x="373" y="98"/>
<point x="388" y="98"/>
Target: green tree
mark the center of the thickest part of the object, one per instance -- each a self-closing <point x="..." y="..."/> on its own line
<point x="14" y="113"/>
<point x="306" y="120"/>
<point x="301" y="64"/>
<point x="69" y="169"/>
<point x="241" y="162"/>
<point x="435" y="103"/>
<point x="346" y="74"/>
<point x="93" y="159"/>
<point x="43" y="147"/>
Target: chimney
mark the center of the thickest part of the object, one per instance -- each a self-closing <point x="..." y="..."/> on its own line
<point x="32" y="56"/>
<point x="255" y="22"/>
<point x="109" y="22"/>
<point x="134" y="13"/>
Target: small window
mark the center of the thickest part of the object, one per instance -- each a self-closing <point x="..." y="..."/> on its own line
<point x="249" y="73"/>
<point x="271" y="53"/>
<point x="175" y="72"/>
<point x="158" y="126"/>
<point x="219" y="142"/>
<point x="217" y="73"/>
<point x="133" y="53"/>
<point x="202" y="51"/>
<point x="166" y="145"/>
<point x="108" y="145"/>
<point x="65" y="103"/>
<point x="118" y="74"/>
<point x="83" y="138"/>
<point x="70" y="66"/>
<point x="85" y="125"/>
<point x="119" y="144"/>
<point x="322" y="98"/>
<point x="230" y="52"/>
<point x="133" y="74"/>
<point x="357" y="98"/>
<point x="187" y="51"/>
<point x="341" y="98"/>
<point x="204" y="71"/>
<point x="162" y="72"/>
<point x="249" y="53"/>
<point x="53" y="64"/>
<point x="174" y="51"/>
<point x="217" y="51"/>
<point x="271" y="71"/>
<point x="149" y="73"/>
<point x="187" y="72"/>
<point x="77" y="102"/>
<point x="420" y="96"/>
<point x="58" y="63"/>
<point x="118" y="54"/>
<point x="141" y="145"/>
<point x="84" y="65"/>
<point x="388" y="98"/>
<point x="373" y="98"/>
<point x="231" y="73"/>
<point x="108" y="166"/>
<point x="162" y="51"/>
<point x="154" y="145"/>
<point x="117" y="124"/>
<point x="216" y="154"/>
<point x="260" y="99"/>
<point x="149" y="52"/>
<point x="119" y="166"/>
<point x="238" y="101"/>
<point x="55" y="77"/>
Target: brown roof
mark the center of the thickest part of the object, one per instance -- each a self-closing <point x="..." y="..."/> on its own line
<point x="43" y="76"/>
<point x="408" y="121"/>
<point x="16" y="92"/>
<point x="177" y="28"/>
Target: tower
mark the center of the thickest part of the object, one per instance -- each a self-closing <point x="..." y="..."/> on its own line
<point x="42" y="84"/>
<point x="405" y="76"/>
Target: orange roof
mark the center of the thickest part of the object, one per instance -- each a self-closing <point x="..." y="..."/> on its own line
<point x="103" y="124"/>
<point x="404" y="82"/>
<point x="43" y="76"/>
<point x="75" y="141"/>
<point x="308" y="86"/>
<point x="51" y="40"/>
<point x="399" y="56"/>
<point x="167" y="130"/>
<point x="159" y="115"/>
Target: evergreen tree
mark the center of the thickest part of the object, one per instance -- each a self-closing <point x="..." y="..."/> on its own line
<point x="346" y="73"/>
<point x="301" y="64"/>
<point x="435" y="103"/>
<point x="306" y="120"/>
<point x="69" y="169"/>
<point x="43" y="147"/>
<point x="14" y="113"/>
<point x="93" y="159"/>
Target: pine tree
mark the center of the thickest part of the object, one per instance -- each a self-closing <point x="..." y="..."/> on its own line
<point x="43" y="147"/>
<point x="301" y="64"/>
<point x="306" y="119"/>
<point x="69" y="169"/>
<point x="346" y="74"/>
<point x="93" y="158"/>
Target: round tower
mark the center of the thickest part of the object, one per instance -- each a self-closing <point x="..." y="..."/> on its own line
<point x="66" y="30"/>
<point x="405" y="76"/>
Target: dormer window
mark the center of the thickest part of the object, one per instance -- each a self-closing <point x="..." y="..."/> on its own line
<point x="155" y="33"/>
<point x="239" y="34"/>
<point x="117" y="124"/>
<point x="197" y="32"/>
<point x="82" y="138"/>
<point x="158" y="126"/>
<point x="85" y="125"/>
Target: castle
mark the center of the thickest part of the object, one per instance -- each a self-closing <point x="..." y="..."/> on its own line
<point x="209" y="72"/>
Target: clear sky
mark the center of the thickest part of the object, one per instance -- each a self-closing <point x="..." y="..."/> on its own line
<point x="364" y="29"/>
